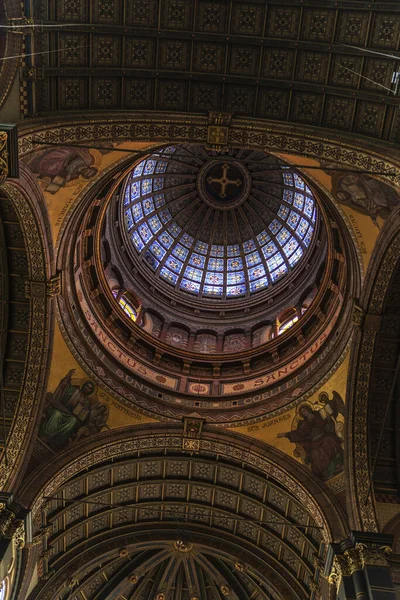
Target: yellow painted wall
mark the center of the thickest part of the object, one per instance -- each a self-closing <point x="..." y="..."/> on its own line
<point x="63" y="361"/>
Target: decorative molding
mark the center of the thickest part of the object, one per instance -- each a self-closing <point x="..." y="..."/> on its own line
<point x="3" y="157"/>
<point x="244" y="132"/>
<point x="358" y="395"/>
<point x="37" y="350"/>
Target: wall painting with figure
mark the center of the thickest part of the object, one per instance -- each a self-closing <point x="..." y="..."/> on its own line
<point x="73" y="412"/>
<point x="313" y="432"/>
<point x="318" y="433"/>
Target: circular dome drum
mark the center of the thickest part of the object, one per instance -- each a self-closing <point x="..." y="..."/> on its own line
<point x="217" y="226"/>
<point x="208" y="282"/>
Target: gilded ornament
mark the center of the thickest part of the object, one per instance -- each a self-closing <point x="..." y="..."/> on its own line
<point x="374" y="555"/>
<point x="218" y="131"/>
<point x="224" y="590"/>
<point x="182" y="546"/>
<point x="19" y="537"/>
<point x="3" y="157"/>
<point x="192" y="445"/>
<point x="53" y="286"/>
<point x="340" y="568"/>
<point x="23" y="25"/>
<point x="134" y="579"/>
<point x="354" y="560"/>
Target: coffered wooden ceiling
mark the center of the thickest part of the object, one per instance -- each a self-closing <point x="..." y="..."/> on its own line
<point x="280" y="61"/>
<point x="104" y="530"/>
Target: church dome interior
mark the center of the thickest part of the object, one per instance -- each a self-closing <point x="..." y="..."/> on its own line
<point x="199" y="300"/>
<point x="218" y="226"/>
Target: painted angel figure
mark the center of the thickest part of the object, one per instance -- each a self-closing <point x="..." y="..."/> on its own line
<point x="333" y="408"/>
<point x="319" y="436"/>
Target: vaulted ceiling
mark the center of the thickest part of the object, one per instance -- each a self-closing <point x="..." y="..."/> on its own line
<point x="288" y="62"/>
<point x="177" y="527"/>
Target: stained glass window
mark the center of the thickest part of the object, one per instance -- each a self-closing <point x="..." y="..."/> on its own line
<point x="126" y="305"/>
<point x="200" y="266"/>
<point x="287" y="324"/>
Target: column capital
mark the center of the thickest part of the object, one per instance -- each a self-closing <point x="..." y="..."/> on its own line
<point x="355" y="553"/>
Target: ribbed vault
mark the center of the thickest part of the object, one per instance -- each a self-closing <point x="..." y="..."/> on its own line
<point x="159" y="520"/>
<point x="199" y="501"/>
<point x="175" y="570"/>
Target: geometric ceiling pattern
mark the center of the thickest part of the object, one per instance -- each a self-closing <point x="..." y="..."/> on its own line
<point x="282" y="61"/>
<point x="218" y="225"/>
<point x="174" y="571"/>
<point x="15" y="311"/>
<point x="186" y="527"/>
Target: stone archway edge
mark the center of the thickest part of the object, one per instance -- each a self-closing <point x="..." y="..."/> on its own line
<point x="309" y="491"/>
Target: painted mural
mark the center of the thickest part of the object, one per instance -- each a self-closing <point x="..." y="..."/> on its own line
<point x="73" y="412"/>
<point x="313" y="432"/>
<point x="59" y="167"/>
<point x="318" y="435"/>
<point x="366" y="195"/>
<point x="77" y="408"/>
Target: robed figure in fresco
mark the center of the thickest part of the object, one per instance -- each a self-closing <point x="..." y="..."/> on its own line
<point x="365" y="194"/>
<point x="72" y="412"/>
<point x="318" y="436"/>
<point x="58" y="167"/>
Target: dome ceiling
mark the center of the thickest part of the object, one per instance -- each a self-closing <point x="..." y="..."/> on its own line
<point x="218" y="355"/>
<point x="217" y="225"/>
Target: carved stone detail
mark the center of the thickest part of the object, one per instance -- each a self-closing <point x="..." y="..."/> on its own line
<point x="358" y="315"/>
<point x="340" y="568"/>
<point x="354" y="560"/>
<point x="3" y="157"/>
<point x="191" y="434"/>
<point x="53" y="286"/>
<point x="374" y="555"/>
<point x="19" y="537"/>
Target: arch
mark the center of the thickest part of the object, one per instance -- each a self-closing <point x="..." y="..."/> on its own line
<point x="382" y="265"/>
<point x="145" y="445"/>
<point x="256" y="455"/>
<point x="28" y="203"/>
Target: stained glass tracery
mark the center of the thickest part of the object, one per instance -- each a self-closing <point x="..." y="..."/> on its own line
<point x="215" y="270"/>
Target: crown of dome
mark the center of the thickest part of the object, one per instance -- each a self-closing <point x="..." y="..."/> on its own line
<point x="217" y="226"/>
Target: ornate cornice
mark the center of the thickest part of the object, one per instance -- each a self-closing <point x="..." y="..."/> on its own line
<point x="243" y="132"/>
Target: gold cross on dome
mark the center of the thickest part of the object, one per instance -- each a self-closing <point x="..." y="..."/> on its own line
<point x="224" y="181"/>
